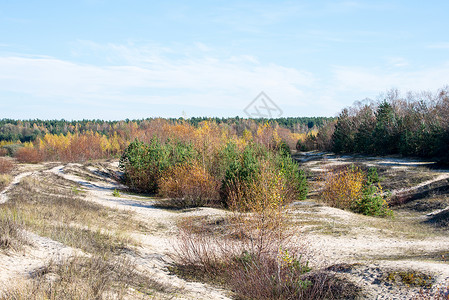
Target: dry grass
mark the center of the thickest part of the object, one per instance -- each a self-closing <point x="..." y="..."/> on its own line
<point x="5" y="179"/>
<point x="11" y="231"/>
<point x="98" y="277"/>
<point x="53" y="207"/>
<point x="6" y="165"/>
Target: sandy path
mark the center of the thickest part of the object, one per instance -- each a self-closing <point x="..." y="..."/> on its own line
<point x="151" y="257"/>
<point x="16" y="266"/>
<point x="153" y="254"/>
<point x="16" y="180"/>
<point x="422" y="184"/>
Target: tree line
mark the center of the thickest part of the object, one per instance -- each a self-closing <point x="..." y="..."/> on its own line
<point x="416" y="124"/>
<point x="30" y="130"/>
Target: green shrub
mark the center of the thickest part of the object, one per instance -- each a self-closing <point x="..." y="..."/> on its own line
<point x="295" y="177"/>
<point x="143" y="164"/>
<point x="12" y="148"/>
<point x="239" y="167"/>
<point x="357" y="190"/>
<point x="372" y="203"/>
<point x="116" y="193"/>
<point x="242" y="168"/>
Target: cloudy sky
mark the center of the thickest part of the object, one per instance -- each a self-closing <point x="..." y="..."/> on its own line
<point x="98" y="59"/>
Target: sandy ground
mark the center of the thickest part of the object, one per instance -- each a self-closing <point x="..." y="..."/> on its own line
<point x="373" y="252"/>
<point x="152" y="255"/>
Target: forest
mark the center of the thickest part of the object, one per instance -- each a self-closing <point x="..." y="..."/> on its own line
<point x="416" y="125"/>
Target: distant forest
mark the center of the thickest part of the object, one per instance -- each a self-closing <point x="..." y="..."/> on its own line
<point x="416" y="125"/>
<point x="30" y="130"/>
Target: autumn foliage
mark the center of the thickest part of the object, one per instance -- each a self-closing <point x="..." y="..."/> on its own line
<point x="29" y="155"/>
<point x="350" y="187"/>
<point x="204" y="164"/>
<point x="343" y="186"/>
<point x="189" y="185"/>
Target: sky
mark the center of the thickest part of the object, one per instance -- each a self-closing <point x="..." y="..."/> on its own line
<point x="112" y="60"/>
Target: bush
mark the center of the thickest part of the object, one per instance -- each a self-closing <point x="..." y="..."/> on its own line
<point x="12" y="148"/>
<point x="29" y="155"/>
<point x="6" y="166"/>
<point x="351" y="188"/>
<point x="343" y="187"/>
<point x="188" y="185"/>
<point x="245" y="167"/>
<point x="296" y="180"/>
<point x="372" y="203"/>
<point x="143" y="164"/>
<point x="239" y="168"/>
<point x="3" y="151"/>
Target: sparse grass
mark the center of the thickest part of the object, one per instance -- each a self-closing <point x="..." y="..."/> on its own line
<point x="405" y="178"/>
<point x="50" y="206"/>
<point x="435" y="256"/>
<point x="5" y="179"/>
<point x="38" y="197"/>
<point x="92" y="241"/>
<point x="11" y="231"/>
<point x="97" y="277"/>
<point x="440" y="220"/>
<point x="403" y="226"/>
<point x="6" y="166"/>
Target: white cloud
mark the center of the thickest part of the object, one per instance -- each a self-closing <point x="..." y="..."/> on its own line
<point x="152" y="76"/>
<point x="376" y="80"/>
<point x="149" y="75"/>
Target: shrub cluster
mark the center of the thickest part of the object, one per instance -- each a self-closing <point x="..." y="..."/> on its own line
<point x="352" y="188"/>
<point x="144" y="164"/>
<point x="188" y="185"/>
<point x="29" y="155"/>
<point x="193" y="175"/>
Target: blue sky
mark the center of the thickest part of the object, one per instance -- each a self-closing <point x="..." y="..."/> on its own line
<point x="136" y="59"/>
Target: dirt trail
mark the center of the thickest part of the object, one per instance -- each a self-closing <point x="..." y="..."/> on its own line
<point x="16" y="180"/>
<point x="153" y="254"/>
<point x="16" y="266"/>
<point x="374" y="250"/>
<point x="151" y="257"/>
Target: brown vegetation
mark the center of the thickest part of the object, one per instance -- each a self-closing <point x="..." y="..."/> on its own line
<point x="189" y="185"/>
<point x="6" y="166"/>
<point x="97" y="277"/>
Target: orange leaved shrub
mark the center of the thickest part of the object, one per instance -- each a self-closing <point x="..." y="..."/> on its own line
<point x="343" y="186"/>
<point x="189" y="185"/>
<point x="29" y="155"/>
